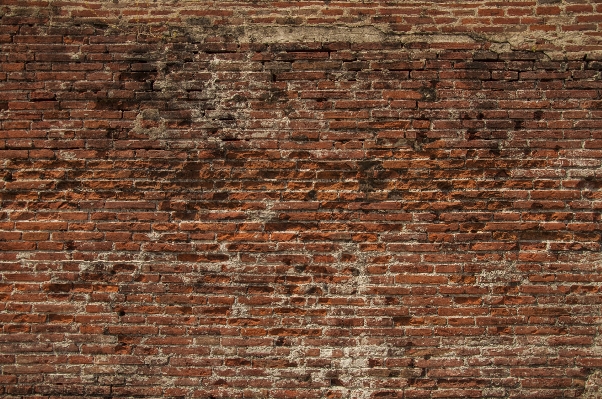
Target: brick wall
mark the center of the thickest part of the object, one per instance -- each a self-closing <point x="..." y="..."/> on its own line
<point x="312" y="199"/>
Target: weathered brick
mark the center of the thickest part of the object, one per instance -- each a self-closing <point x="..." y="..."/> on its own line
<point x="284" y="200"/>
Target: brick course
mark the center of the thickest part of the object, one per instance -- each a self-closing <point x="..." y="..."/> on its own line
<point x="313" y="199"/>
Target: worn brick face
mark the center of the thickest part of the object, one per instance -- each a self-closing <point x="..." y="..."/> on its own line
<point x="331" y="199"/>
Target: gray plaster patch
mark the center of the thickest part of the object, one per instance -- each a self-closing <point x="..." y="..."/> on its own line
<point x="323" y="34"/>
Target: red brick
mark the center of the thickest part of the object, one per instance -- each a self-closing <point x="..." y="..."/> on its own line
<point x="244" y="215"/>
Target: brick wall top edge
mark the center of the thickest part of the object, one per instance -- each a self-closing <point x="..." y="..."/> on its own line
<point x="557" y="27"/>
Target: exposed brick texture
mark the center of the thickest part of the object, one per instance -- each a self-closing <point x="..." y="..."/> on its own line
<point x="308" y="199"/>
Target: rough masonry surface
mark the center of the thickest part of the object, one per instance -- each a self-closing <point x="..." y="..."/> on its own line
<point x="300" y="199"/>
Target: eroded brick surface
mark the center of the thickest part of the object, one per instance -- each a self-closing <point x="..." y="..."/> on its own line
<point x="300" y="200"/>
